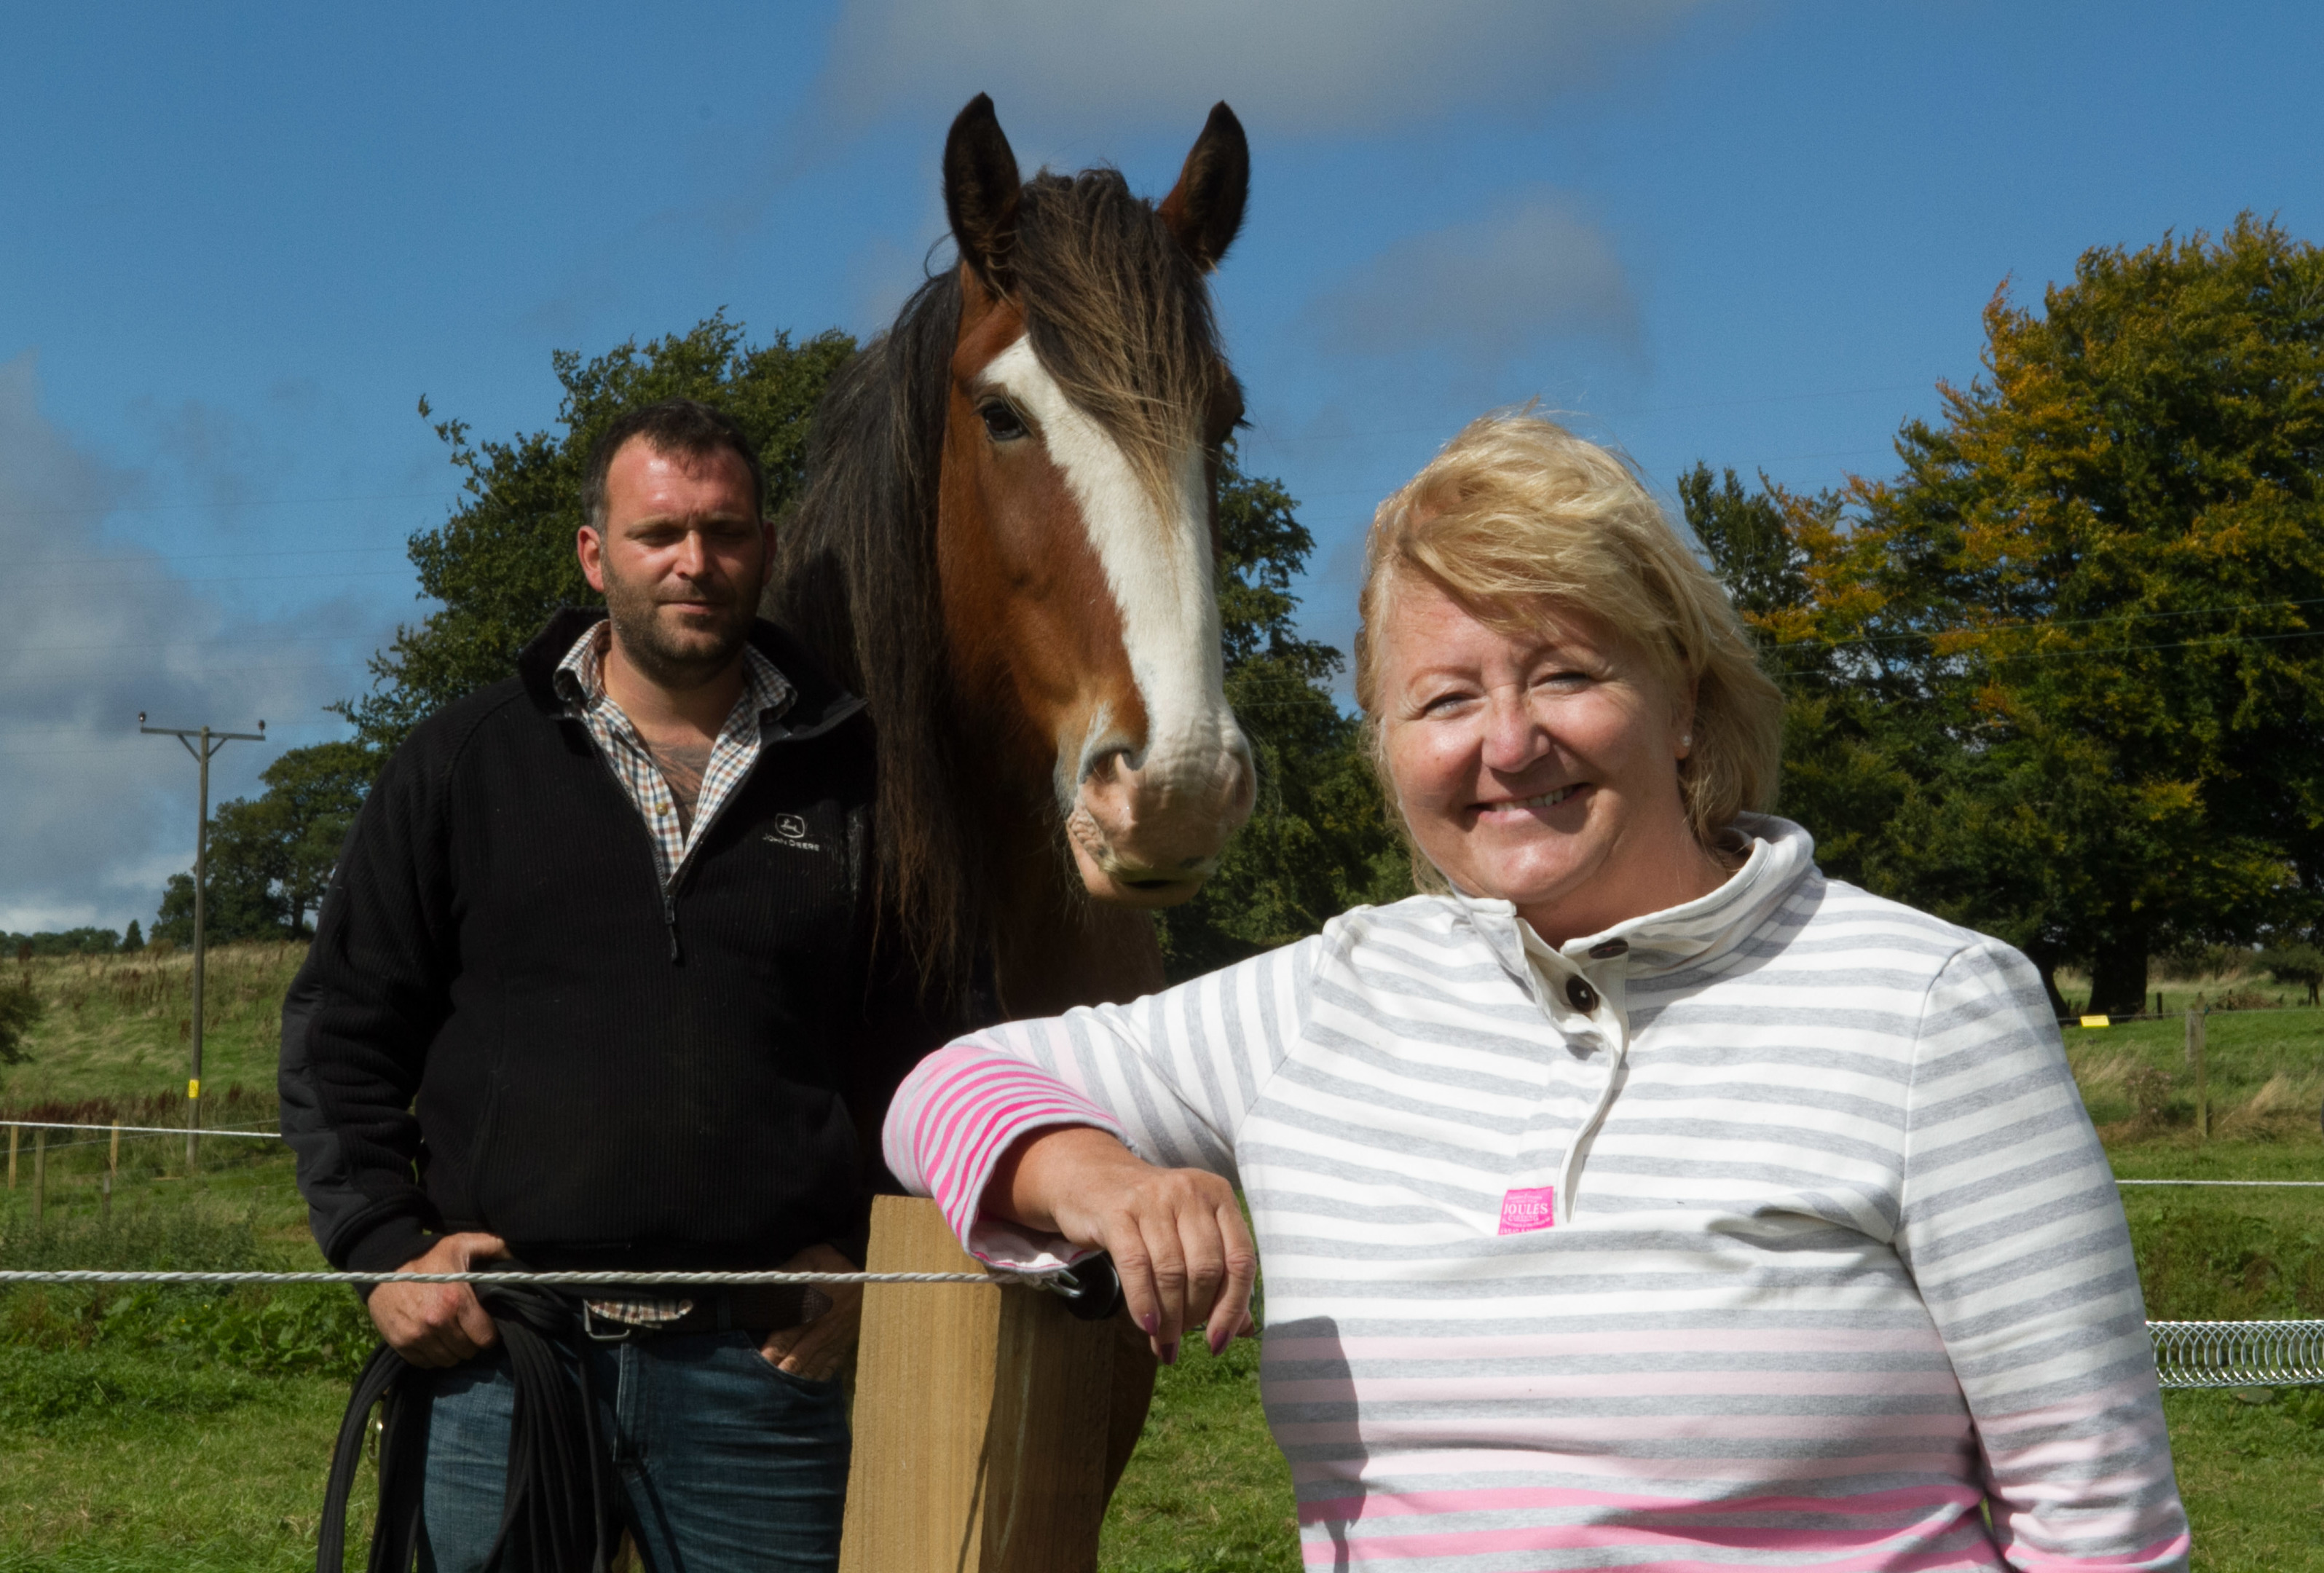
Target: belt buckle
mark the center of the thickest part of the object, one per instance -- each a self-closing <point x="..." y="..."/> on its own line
<point x="621" y="1333"/>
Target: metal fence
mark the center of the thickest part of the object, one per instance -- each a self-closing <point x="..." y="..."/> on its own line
<point x="2239" y="1354"/>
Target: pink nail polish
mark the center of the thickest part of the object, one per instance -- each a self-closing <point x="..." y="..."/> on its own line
<point x="1149" y="1324"/>
<point x="1218" y="1342"/>
<point x="1170" y="1353"/>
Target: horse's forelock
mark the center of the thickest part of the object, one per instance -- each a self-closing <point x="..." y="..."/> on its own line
<point x="1120" y="316"/>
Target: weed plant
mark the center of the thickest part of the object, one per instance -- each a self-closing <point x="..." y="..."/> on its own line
<point x="167" y="1329"/>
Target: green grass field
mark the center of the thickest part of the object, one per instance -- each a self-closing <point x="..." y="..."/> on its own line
<point x="190" y="1430"/>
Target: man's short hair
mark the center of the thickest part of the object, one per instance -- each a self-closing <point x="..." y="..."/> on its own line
<point x="677" y="426"/>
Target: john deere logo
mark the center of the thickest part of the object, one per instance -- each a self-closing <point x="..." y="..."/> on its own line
<point x="790" y="831"/>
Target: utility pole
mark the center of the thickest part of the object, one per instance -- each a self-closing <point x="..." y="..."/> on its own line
<point x="211" y="743"/>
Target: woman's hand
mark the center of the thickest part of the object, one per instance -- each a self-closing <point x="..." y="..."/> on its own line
<point x="1177" y="1236"/>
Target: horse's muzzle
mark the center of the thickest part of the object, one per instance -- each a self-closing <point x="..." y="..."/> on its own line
<point x="1149" y="837"/>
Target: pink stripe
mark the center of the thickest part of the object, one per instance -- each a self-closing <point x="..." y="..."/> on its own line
<point x="2161" y="1554"/>
<point x="1708" y="1476"/>
<point x="1955" y="1498"/>
<point x="1891" y="1554"/>
<point x="1567" y="1434"/>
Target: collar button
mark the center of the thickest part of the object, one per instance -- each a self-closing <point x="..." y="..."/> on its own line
<point x="1581" y="996"/>
<point x="1609" y="949"/>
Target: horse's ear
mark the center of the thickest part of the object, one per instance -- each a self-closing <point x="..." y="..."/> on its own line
<point x="1204" y="208"/>
<point x="980" y="189"/>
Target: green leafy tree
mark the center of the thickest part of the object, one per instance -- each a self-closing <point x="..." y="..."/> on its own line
<point x="1319" y="840"/>
<point x="270" y="858"/>
<point x="504" y="561"/>
<point x="2060" y="679"/>
<point x="2298" y="965"/>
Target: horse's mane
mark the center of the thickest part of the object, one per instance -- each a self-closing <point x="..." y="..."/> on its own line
<point x="1119" y="315"/>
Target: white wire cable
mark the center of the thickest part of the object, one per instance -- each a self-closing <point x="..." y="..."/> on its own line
<point x="544" y="1279"/>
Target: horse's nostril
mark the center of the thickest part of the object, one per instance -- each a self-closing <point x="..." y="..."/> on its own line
<point x="1149" y="884"/>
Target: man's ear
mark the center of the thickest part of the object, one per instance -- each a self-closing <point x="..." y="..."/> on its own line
<point x="590" y="547"/>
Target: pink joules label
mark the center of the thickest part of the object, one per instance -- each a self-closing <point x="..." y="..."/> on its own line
<point x="1523" y="1211"/>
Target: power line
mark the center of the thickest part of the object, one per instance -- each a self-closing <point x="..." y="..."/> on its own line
<point x="100" y="509"/>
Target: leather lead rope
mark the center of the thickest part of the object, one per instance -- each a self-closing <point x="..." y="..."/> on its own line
<point x="563" y="1507"/>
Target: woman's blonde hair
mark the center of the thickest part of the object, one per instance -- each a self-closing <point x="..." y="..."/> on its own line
<point x="1517" y="514"/>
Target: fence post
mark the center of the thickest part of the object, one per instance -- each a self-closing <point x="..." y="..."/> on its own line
<point x="14" y="1132"/>
<point x="2195" y="1059"/>
<point x="40" y="1174"/>
<point x="105" y="1198"/>
<point x="113" y="1158"/>
<point x="979" y="1417"/>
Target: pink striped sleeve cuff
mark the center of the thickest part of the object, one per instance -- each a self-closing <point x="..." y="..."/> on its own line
<point x="953" y="1118"/>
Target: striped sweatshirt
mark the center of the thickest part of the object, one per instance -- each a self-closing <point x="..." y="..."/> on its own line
<point x="1766" y="1231"/>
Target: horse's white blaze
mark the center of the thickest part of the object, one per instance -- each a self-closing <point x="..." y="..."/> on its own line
<point x="1157" y="559"/>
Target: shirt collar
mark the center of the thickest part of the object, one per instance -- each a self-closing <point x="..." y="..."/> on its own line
<point x="580" y="678"/>
<point x="1689" y="934"/>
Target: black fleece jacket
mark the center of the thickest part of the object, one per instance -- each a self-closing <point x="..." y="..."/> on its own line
<point x="503" y="1024"/>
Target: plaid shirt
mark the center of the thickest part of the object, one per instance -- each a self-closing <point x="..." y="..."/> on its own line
<point x="766" y="693"/>
<point x="580" y="680"/>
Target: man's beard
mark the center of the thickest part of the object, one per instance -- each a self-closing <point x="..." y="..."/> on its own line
<point x="648" y="646"/>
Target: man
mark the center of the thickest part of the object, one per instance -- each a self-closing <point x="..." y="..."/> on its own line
<point x="587" y="992"/>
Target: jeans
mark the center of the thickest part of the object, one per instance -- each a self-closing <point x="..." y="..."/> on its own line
<point x="729" y="1464"/>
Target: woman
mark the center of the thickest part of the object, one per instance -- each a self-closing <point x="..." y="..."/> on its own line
<point x="1637" y="1199"/>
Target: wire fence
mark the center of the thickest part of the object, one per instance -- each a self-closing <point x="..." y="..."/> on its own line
<point x="2239" y="1354"/>
<point x="2187" y="1354"/>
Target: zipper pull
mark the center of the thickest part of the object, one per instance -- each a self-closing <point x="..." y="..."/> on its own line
<point x="670" y="919"/>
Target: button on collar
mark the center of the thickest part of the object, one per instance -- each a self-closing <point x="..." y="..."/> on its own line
<point x="1609" y="949"/>
<point x="1581" y="996"/>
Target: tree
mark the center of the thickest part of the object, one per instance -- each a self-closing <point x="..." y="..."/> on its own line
<point x="1319" y="840"/>
<point x="504" y="560"/>
<point x="2299" y="965"/>
<point x="2059" y="678"/>
<point x="132" y="940"/>
<point x="270" y="858"/>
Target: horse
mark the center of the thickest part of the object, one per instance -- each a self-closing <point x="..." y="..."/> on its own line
<point x="1006" y="546"/>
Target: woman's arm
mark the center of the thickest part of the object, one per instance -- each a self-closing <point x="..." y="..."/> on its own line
<point x="1177" y="1236"/>
<point x="1168" y="1078"/>
<point x="2014" y="1232"/>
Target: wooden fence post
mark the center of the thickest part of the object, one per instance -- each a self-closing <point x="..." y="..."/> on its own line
<point x="979" y="1417"/>
<point x="40" y="1174"/>
<point x="14" y="1132"/>
<point x="2195" y="1059"/>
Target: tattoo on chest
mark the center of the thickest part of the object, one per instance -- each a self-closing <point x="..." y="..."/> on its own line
<point x="682" y="765"/>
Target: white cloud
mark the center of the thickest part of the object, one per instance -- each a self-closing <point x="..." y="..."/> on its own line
<point x="1299" y="65"/>
<point x="1534" y="270"/>
<point x="93" y="631"/>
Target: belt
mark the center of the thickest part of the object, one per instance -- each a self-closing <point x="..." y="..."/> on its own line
<point x="753" y="1308"/>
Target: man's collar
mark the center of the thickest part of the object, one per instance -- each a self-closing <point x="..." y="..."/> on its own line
<point x="579" y="678"/>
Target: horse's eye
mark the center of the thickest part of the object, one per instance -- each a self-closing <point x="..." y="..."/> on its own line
<point x="1000" y="422"/>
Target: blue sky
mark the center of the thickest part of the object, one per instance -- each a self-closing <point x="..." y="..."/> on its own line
<point x="238" y="243"/>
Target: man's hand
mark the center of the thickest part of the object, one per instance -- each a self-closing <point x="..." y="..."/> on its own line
<point x="819" y="1348"/>
<point x="439" y="1324"/>
<point x="1177" y="1236"/>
